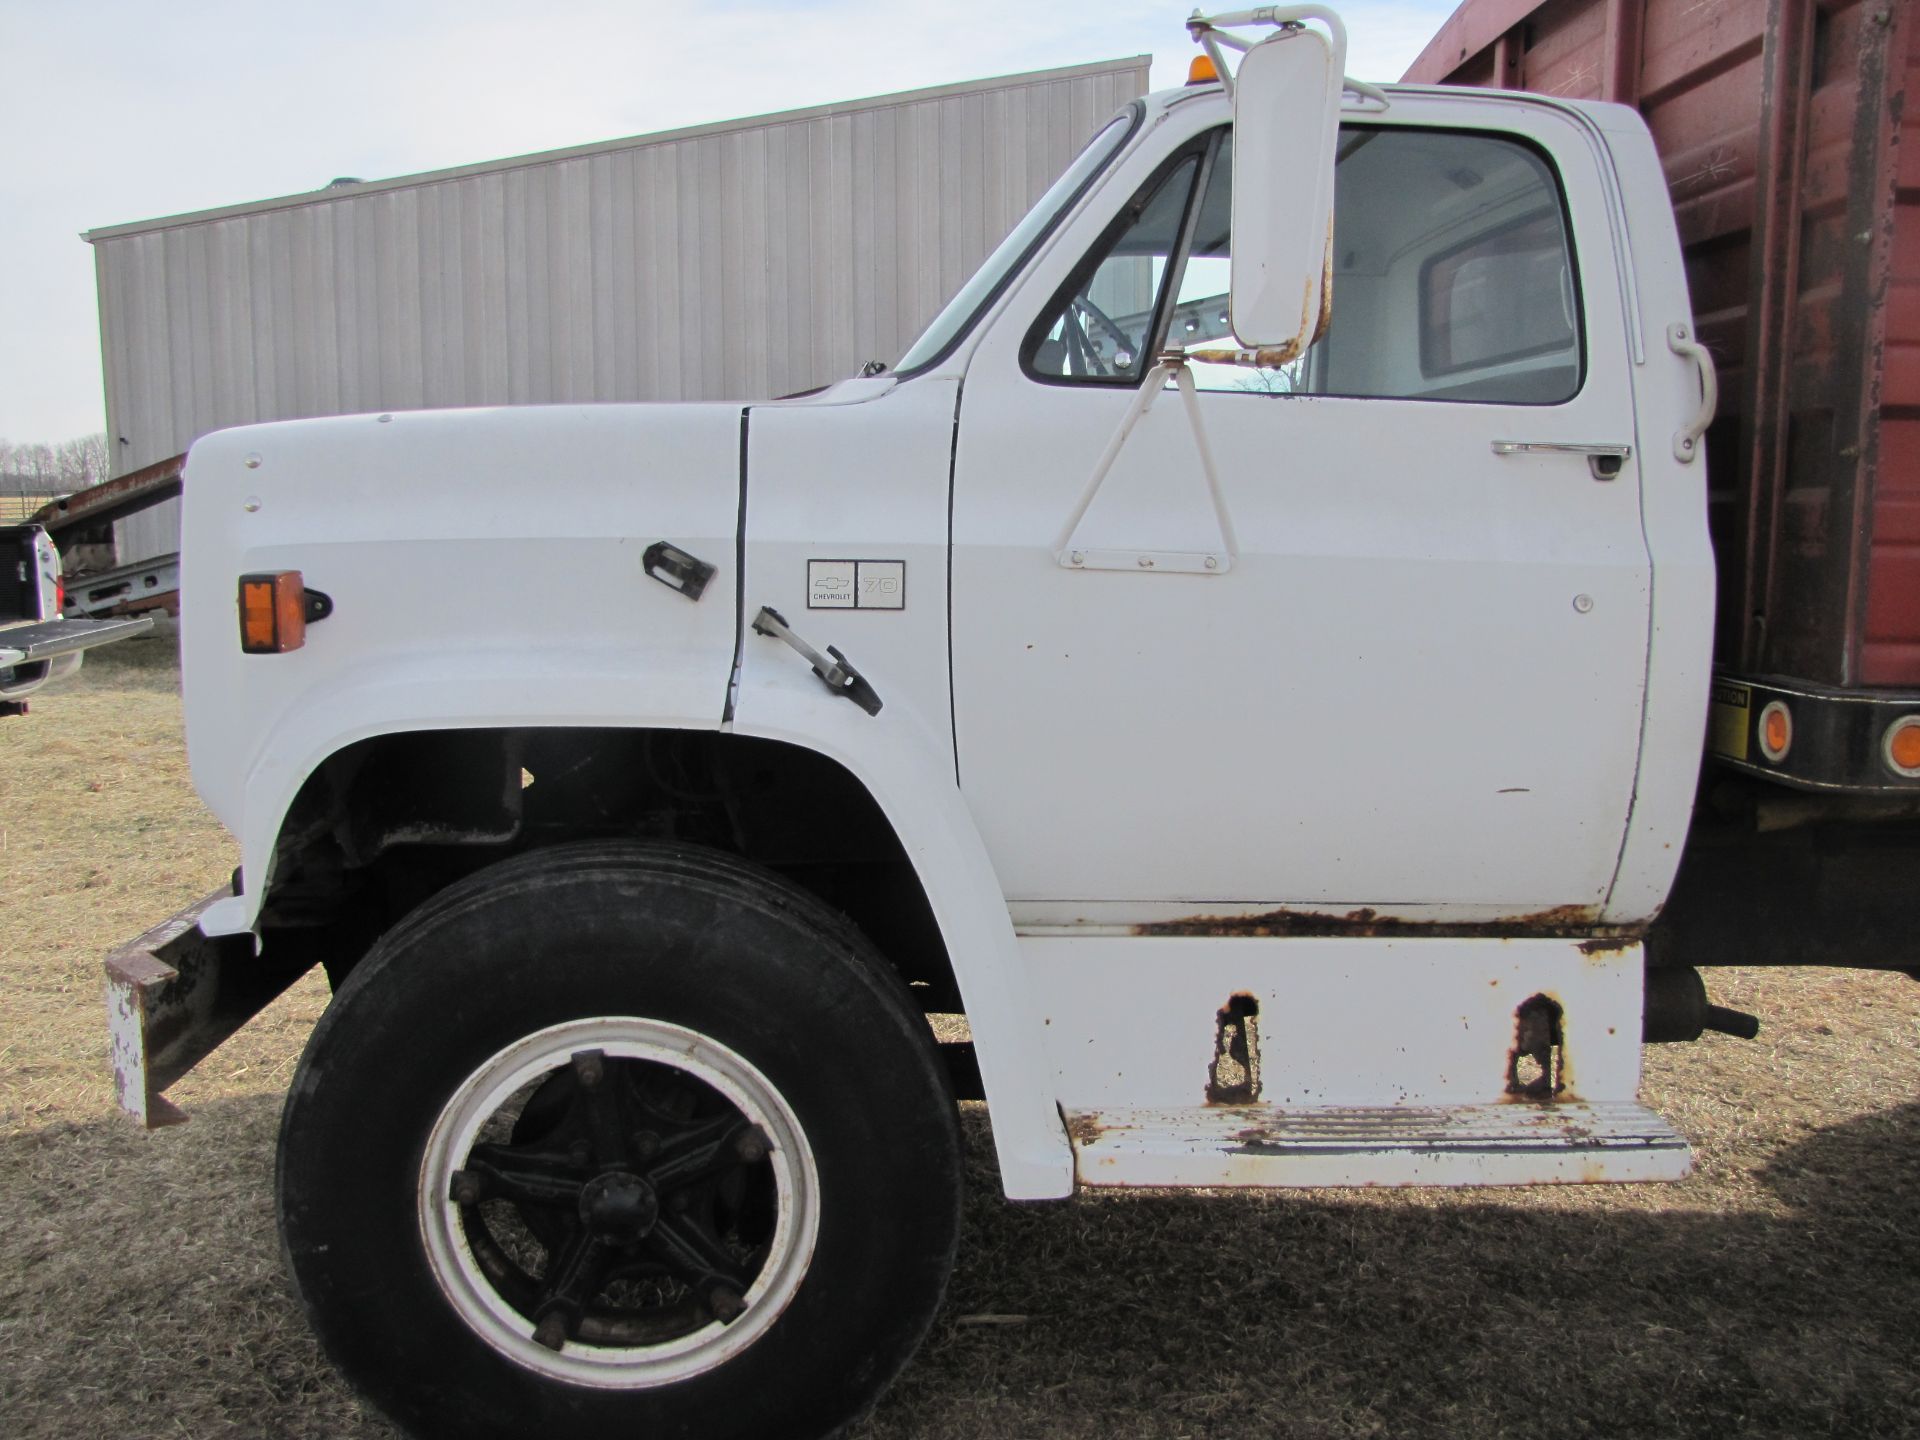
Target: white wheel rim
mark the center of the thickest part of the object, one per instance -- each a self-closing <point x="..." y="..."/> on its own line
<point x="508" y="1332"/>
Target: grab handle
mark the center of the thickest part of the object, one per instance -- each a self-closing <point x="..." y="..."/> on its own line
<point x="1686" y="440"/>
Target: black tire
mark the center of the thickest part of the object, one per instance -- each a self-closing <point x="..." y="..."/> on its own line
<point x="635" y="939"/>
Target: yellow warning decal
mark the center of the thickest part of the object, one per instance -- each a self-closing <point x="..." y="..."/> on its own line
<point x="1728" y="708"/>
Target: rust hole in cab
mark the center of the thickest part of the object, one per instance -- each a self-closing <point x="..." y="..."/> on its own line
<point x="1606" y="946"/>
<point x="1234" y="1076"/>
<point x="1537" y="1064"/>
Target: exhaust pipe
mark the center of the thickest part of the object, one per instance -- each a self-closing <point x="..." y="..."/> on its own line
<point x="1677" y="1009"/>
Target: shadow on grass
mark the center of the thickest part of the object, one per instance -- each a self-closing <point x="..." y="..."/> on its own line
<point x="1483" y="1313"/>
<point x="145" y="1294"/>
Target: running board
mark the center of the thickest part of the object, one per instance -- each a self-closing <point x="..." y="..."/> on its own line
<point x="1264" y="1146"/>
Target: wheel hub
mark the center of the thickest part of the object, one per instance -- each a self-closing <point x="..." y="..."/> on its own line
<point x="619" y="1205"/>
<point x="618" y="1202"/>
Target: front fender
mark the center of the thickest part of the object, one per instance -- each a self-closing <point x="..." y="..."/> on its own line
<point x="898" y="756"/>
<point x="484" y="566"/>
<point x="448" y="691"/>
<point x="894" y="755"/>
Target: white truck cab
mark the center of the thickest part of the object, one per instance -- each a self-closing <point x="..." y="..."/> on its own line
<point x="1251" y="665"/>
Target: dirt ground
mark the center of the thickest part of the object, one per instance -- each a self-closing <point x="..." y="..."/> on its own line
<point x="1776" y="1293"/>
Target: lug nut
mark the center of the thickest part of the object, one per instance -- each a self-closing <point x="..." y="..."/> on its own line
<point x="551" y="1331"/>
<point x="751" y="1145"/>
<point x="725" y="1304"/>
<point x="589" y="1067"/>
<point x="466" y="1188"/>
<point x="646" y="1144"/>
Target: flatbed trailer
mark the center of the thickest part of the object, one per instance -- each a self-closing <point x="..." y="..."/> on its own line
<point x="81" y="524"/>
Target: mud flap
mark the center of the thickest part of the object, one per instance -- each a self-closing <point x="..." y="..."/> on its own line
<point x="173" y="995"/>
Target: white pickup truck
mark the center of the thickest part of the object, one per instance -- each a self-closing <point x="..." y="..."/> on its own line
<point x="1273" y="733"/>
<point x="37" y="643"/>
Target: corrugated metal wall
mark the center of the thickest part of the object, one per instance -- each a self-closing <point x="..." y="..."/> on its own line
<point x="743" y="260"/>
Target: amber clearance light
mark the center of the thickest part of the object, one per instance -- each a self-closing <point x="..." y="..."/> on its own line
<point x="1201" y="71"/>
<point x="273" y="612"/>
<point x="1776" y="731"/>
<point x="1902" y="746"/>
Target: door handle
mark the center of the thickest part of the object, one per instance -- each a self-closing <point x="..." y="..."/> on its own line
<point x="1605" y="461"/>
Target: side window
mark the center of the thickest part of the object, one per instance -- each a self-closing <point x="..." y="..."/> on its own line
<point x="1453" y="276"/>
<point x="1101" y="329"/>
<point x="1503" y="296"/>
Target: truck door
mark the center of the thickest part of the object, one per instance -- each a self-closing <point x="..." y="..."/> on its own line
<point x="1398" y="664"/>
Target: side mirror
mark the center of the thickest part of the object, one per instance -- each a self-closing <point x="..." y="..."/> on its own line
<point x="1286" y="126"/>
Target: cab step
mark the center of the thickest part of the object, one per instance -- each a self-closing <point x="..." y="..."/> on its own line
<point x="1266" y="1146"/>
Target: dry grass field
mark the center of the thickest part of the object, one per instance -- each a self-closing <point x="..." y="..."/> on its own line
<point x="15" y="508"/>
<point x="1776" y="1293"/>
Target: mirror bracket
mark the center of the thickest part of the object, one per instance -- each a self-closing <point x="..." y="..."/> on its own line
<point x="1170" y="364"/>
<point x="1210" y="32"/>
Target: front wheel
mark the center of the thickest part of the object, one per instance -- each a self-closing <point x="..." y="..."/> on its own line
<point x="619" y="1139"/>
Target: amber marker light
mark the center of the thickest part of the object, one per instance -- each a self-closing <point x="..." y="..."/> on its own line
<point x="1902" y="746"/>
<point x="273" y="613"/>
<point x="1201" y="71"/>
<point x="1776" y="730"/>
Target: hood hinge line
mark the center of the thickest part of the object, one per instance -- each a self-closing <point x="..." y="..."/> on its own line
<point x="739" y="584"/>
<point x="953" y="471"/>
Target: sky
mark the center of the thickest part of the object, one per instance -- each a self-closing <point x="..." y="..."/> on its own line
<point x="120" y="110"/>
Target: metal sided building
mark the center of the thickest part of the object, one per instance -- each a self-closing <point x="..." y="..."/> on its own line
<point x="744" y="259"/>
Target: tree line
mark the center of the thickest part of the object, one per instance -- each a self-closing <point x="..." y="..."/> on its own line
<point x="40" y="468"/>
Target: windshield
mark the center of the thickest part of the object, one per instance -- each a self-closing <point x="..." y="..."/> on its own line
<point x="961" y="311"/>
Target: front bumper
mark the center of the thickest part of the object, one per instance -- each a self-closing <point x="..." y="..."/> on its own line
<point x="173" y="995"/>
